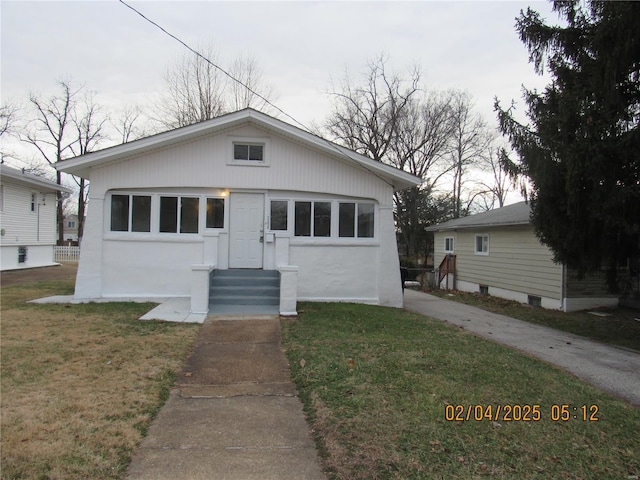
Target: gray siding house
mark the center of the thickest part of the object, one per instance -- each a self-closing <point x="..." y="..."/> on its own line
<point x="498" y="253"/>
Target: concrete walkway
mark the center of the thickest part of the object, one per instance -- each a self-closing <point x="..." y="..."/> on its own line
<point x="614" y="369"/>
<point x="233" y="413"/>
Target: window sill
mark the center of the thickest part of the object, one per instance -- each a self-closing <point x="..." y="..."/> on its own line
<point x="153" y="237"/>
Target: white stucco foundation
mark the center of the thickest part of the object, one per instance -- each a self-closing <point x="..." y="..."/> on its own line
<point x="566" y="304"/>
<point x="37" y="256"/>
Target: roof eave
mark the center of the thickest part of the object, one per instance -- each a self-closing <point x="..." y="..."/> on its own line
<point x="34" y="181"/>
<point x="442" y="228"/>
<point x="81" y="166"/>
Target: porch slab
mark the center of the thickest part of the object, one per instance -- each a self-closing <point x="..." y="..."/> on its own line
<point x="175" y="310"/>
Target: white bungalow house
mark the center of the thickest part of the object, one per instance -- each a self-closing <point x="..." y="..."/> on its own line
<point x="497" y="253"/>
<point x="27" y="219"/>
<point x="244" y="195"/>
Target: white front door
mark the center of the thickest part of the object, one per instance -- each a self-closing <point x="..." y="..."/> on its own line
<point x="246" y="230"/>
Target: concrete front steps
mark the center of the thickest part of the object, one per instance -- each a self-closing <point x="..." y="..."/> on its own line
<point x="244" y="291"/>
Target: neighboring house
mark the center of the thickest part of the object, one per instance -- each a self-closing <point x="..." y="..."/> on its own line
<point x="71" y="229"/>
<point x="241" y="191"/>
<point x="497" y="253"/>
<point x="27" y="219"/>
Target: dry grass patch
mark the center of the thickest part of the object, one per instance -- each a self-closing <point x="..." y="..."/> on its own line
<point x="80" y="383"/>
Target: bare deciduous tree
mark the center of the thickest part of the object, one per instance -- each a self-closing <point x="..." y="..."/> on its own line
<point x="127" y="124"/>
<point x="469" y="142"/>
<point x="494" y="188"/>
<point x="247" y="70"/>
<point x="366" y="116"/>
<point x="50" y="133"/>
<point x="89" y="124"/>
<point x="8" y="126"/>
<point x="198" y="91"/>
<point x="64" y="125"/>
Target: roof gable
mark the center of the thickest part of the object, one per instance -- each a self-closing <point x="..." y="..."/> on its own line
<point x="32" y="181"/>
<point x="82" y="165"/>
<point x="515" y="214"/>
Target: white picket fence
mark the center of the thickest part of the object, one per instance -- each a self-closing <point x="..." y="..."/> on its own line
<point x="66" y="254"/>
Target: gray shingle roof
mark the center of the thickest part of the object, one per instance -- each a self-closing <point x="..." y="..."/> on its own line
<point x="516" y="214"/>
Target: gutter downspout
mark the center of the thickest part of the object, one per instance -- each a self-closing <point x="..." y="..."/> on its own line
<point x="563" y="287"/>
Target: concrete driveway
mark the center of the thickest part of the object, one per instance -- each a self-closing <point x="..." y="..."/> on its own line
<point x="613" y="369"/>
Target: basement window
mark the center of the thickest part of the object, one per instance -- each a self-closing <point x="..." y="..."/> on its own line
<point x="534" y="301"/>
<point x="484" y="290"/>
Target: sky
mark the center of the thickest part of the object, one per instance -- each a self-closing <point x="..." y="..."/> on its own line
<point x="301" y="47"/>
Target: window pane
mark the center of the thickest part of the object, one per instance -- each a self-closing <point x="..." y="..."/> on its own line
<point x="322" y="219"/>
<point x="141" y="214"/>
<point x="365" y="220"/>
<point x="256" y="152"/>
<point x="303" y="219"/>
<point x="347" y="215"/>
<point x="169" y="214"/>
<point x="215" y="212"/>
<point x="482" y="244"/>
<point x="279" y="215"/>
<point x="240" y="152"/>
<point x="119" y="213"/>
<point x="189" y="215"/>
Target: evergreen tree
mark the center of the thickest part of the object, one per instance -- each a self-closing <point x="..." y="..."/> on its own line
<point x="581" y="148"/>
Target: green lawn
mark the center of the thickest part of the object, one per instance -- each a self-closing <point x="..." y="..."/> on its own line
<point x="378" y="384"/>
<point x="616" y="326"/>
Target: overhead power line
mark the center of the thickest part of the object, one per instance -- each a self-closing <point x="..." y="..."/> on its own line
<point x="199" y="55"/>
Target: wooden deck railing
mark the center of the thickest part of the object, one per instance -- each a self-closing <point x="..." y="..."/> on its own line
<point x="447" y="266"/>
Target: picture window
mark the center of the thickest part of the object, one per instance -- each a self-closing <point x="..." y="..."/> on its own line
<point x="129" y="213"/>
<point x="356" y="220"/>
<point x="279" y="215"/>
<point x="215" y="212"/>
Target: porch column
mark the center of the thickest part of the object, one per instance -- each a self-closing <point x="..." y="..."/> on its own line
<point x="288" y="290"/>
<point x="200" y="288"/>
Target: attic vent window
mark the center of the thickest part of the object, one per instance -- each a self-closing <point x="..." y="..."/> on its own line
<point x="252" y="151"/>
<point x="248" y="152"/>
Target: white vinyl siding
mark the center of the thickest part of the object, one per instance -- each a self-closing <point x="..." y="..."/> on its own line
<point x="518" y="261"/>
<point x="21" y="225"/>
<point x="299" y="168"/>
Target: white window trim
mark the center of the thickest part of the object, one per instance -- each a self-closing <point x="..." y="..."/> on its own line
<point x="129" y="230"/>
<point x="265" y="142"/>
<point x="475" y="244"/>
<point x="203" y="208"/>
<point x="453" y="242"/>
<point x="180" y="197"/>
<point x="290" y="206"/>
<point x="33" y="202"/>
